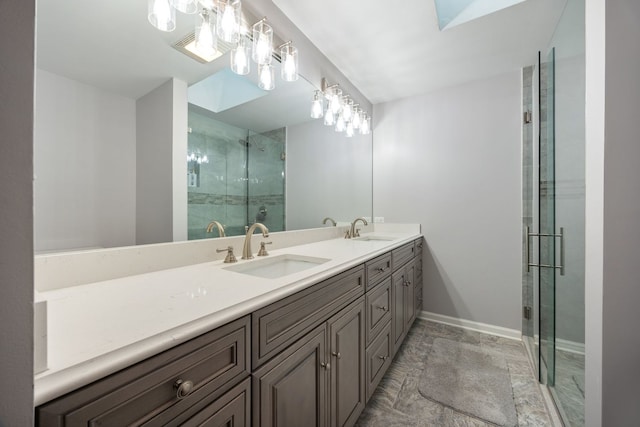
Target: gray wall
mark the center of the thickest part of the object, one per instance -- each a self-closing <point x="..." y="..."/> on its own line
<point x="621" y="281"/>
<point x="84" y="165"/>
<point x="450" y="160"/>
<point x="161" y="180"/>
<point x="17" y="19"/>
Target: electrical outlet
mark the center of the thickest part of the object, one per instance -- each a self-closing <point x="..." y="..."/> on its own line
<point x="378" y="219"/>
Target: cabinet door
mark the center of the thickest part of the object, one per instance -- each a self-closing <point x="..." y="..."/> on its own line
<point x="291" y="389"/>
<point x="347" y="391"/>
<point x="398" y="308"/>
<point x="409" y="295"/>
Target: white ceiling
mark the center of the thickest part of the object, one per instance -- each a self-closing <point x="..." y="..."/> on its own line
<point x="394" y="49"/>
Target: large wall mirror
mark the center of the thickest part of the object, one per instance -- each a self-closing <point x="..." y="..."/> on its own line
<point x="109" y="174"/>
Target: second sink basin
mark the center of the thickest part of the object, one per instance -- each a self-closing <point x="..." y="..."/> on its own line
<point x="277" y="266"/>
<point x="374" y="237"/>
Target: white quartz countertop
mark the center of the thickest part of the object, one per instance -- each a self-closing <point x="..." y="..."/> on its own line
<point x="99" y="328"/>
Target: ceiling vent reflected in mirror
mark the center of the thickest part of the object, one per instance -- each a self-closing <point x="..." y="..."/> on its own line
<point x="455" y="12"/>
<point x="187" y="45"/>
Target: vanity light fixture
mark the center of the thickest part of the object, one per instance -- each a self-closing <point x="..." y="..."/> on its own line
<point x="317" y="107"/>
<point x="262" y="48"/>
<point x="342" y="111"/>
<point x="228" y="20"/>
<point x="162" y="15"/>
<point x="266" y="77"/>
<point x="240" y="63"/>
<point x="289" y="60"/>
<point x="206" y="41"/>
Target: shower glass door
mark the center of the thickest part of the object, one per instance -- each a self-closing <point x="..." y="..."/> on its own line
<point x="547" y="219"/>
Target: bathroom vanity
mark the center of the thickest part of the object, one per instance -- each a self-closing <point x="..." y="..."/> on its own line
<point x="311" y="345"/>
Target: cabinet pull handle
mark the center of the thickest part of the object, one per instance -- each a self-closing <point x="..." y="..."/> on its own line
<point x="336" y="354"/>
<point x="183" y="388"/>
<point x="381" y="307"/>
<point x="382" y="269"/>
<point x="325" y="365"/>
<point x="383" y="358"/>
<point x="405" y="283"/>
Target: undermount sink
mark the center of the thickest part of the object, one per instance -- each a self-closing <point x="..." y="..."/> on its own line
<point x="277" y="266"/>
<point x="374" y="237"/>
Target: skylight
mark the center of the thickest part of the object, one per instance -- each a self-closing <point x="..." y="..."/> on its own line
<point x="456" y="12"/>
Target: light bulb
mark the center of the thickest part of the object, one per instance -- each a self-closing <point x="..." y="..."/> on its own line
<point x="316" y="106"/>
<point x="289" y="57"/>
<point x="162" y="15"/>
<point x="356" y="118"/>
<point x="365" y="126"/>
<point x="349" y="129"/>
<point x="340" y="124"/>
<point x="206" y="42"/>
<point x="240" y="57"/>
<point x="336" y="101"/>
<point x="262" y="43"/>
<point x="228" y="20"/>
<point x="346" y="109"/>
<point x="266" y="77"/>
<point x="329" y="118"/>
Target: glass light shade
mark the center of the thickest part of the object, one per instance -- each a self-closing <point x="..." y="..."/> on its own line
<point x="240" y="63"/>
<point x="356" y="118"/>
<point x="289" y="59"/>
<point x="349" y="130"/>
<point x="228" y="20"/>
<point x="266" y="77"/>
<point x="316" y="106"/>
<point x="161" y="15"/>
<point x="347" y="109"/>
<point x="185" y="6"/>
<point x="336" y="100"/>
<point x="365" y="126"/>
<point x="262" y="48"/>
<point x="341" y="125"/>
<point x="329" y="117"/>
<point x="206" y="41"/>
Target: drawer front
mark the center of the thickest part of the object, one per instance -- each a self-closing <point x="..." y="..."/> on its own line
<point x="378" y="359"/>
<point x="419" y="243"/>
<point x="378" y="303"/>
<point x="281" y="323"/>
<point x="146" y="392"/>
<point x="233" y="409"/>
<point x="378" y="269"/>
<point x="402" y="255"/>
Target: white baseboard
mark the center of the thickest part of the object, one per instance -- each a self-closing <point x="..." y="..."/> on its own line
<point x="570" y="346"/>
<point x="470" y="325"/>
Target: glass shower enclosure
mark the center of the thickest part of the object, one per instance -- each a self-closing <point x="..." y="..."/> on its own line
<point x="234" y="176"/>
<point x="553" y="215"/>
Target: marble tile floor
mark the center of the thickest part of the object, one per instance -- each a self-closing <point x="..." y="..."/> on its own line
<point x="397" y="401"/>
<point x="569" y="387"/>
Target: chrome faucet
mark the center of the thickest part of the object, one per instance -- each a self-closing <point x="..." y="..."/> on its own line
<point x="246" y="249"/>
<point x="213" y="224"/>
<point x="333" y="221"/>
<point x="353" y="232"/>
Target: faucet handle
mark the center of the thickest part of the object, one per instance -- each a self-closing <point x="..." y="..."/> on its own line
<point x="357" y="234"/>
<point x="347" y="235"/>
<point x="263" y="249"/>
<point x="230" y="256"/>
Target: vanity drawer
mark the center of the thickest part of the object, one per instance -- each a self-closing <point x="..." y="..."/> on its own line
<point x="281" y="323"/>
<point x="378" y="359"/>
<point x="378" y="303"/>
<point x="378" y="269"/>
<point x="145" y="393"/>
<point x="402" y="255"/>
<point x="419" y="243"/>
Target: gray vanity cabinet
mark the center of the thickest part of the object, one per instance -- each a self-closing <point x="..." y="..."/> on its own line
<point x="203" y="369"/>
<point x="233" y="409"/>
<point x="319" y="380"/>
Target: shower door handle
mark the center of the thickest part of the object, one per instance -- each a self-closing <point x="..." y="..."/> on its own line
<point x="562" y="260"/>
